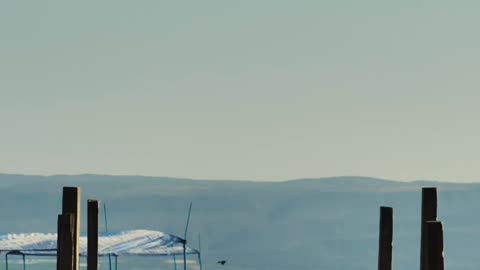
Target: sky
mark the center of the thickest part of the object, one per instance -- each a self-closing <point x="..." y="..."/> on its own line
<point x="259" y="90"/>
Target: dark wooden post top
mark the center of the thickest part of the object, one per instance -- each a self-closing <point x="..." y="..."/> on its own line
<point x="429" y="213"/>
<point x="385" y="244"/>
<point x="92" y="235"/>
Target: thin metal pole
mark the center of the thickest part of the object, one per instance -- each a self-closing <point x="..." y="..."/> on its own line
<point x="175" y="262"/>
<point x="184" y="257"/>
<point x="199" y="252"/>
<point x="6" y="261"/>
<point x="200" y="260"/>
<point x="199" y="244"/>
<point x="105" y="215"/>
<point x="188" y="221"/>
<point x="106" y="230"/>
<point x="110" y="261"/>
<point x="185" y="239"/>
<point x="116" y="260"/>
<point x="24" y="267"/>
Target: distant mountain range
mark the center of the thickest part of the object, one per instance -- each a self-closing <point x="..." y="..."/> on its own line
<point x="327" y="223"/>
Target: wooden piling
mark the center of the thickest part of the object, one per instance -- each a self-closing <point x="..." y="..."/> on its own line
<point x="429" y="213"/>
<point x="92" y="235"/>
<point x="68" y="246"/>
<point x="65" y="244"/>
<point x="385" y="243"/>
<point x="59" y="242"/>
<point x="434" y="243"/>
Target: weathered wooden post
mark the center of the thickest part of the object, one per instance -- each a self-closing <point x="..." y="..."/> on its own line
<point x="65" y="255"/>
<point x="68" y="244"/>
<point x="385" y="243"/>
<point x="429" y="213"/>
<point x="60" y="243"/>
<point x="92" y="235"/>
<point x="435" y="260"/>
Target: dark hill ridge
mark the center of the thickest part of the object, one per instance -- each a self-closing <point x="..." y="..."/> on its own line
<point x="327" y="223"/>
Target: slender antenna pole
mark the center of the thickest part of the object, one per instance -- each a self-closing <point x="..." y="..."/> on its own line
<point x="105" y="215"/>
<point x="199" y="243"/>
<point x="184" y="256"/>
<point x="185" y="239"/>
<point x="106" y="230"/>
<point x="188" y="221"/>
<point x="199" y="252"/>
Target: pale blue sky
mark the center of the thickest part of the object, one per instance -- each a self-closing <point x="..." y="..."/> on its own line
<point x="262" y="90"/>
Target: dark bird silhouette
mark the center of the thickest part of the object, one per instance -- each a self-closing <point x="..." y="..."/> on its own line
<point x="222" y="262"/>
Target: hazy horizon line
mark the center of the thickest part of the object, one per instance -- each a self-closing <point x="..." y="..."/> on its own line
<point x="236" y="179"/>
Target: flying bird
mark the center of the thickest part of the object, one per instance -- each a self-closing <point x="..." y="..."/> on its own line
<point x="222" y="262"/>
